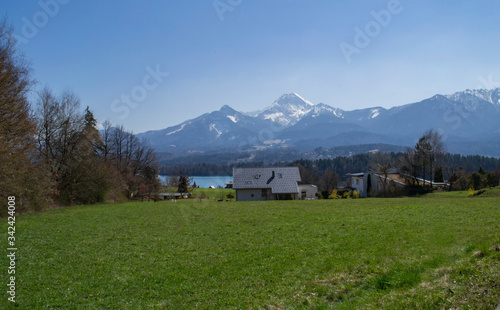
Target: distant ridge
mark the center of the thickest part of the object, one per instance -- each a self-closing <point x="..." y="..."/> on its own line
<point x="470" y="117"/>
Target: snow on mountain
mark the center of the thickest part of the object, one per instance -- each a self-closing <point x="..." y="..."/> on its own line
<point x="363" y="115"/>
<point x="181" y="127"/>
<point x="294" y="121"/>
<point x="234" y="119"/>
<point x="287" y="110"/>
<point x="322" y="109"/>
<point x="305" y="100"/>
<point x="472" y="97"/>
<point x="213" y="128"/>
<point x="375" y="113"/>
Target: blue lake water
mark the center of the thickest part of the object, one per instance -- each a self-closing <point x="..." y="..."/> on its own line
<point x="204" y="181"/>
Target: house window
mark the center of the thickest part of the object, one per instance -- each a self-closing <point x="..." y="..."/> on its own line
<point x="280" y="175"/>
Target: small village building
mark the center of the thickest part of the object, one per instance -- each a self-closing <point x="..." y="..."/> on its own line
<point x="369" y="183"/>
<point x="308" y="191"/>
<point x="358" y="182"/>
<point x="253" y="184"/>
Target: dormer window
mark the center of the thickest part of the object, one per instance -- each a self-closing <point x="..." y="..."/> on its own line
<point x="257" y="176"/>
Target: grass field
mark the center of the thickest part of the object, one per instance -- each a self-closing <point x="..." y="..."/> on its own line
<point x="434" y="252"/>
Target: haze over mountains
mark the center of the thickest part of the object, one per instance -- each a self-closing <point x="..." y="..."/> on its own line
<point x="469" y="122"/>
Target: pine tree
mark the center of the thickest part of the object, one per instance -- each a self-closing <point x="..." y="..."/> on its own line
<point x="438" y="175"/>
<point x="184" y="182"/>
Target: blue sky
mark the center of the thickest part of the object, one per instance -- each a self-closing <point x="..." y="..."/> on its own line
<point x="152" y="64"/>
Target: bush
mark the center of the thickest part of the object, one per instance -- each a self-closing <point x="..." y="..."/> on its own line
<point x="355" y="194"/>
<point x="341" y="192"/>
<point x="230" y="196"/>
<point x="334" y="195"/>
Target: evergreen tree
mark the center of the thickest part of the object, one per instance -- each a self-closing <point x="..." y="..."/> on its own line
<point x="481" y="170"/>
<point x="184" y="182"/>
<point x="475" y="180"/>
<point x="87" y="180"/>
<point x="438" y="175"/>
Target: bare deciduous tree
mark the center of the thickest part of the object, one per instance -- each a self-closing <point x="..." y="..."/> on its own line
<point x="59" y="131"/>
<point x="17" y="128"/>
<point x="429" y="151"/>
<point x="408" y="166"/>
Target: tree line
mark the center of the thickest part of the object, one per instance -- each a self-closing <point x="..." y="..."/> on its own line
<point x="428" y="160"/>
<point x="340" y="165"/>
<point x="51" y="151"/>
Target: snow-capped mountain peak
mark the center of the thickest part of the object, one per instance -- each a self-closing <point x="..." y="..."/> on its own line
<point x="473" y="96"/>
<point x="470" y="116"/>
<point x="305" y="100"/>
<point x="287" y="110"/>
<point x="230" y="113"/>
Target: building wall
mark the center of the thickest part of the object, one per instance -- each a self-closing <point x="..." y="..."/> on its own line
<point x="262" y="194"/>
<point x="253" y="195"/>
<point x="307" y="192"/>
<point x="359" y="184"/>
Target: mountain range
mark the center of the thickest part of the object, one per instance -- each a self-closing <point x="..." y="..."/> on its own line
<point x="469" y="122"/>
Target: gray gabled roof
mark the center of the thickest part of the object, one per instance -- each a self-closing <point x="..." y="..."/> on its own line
<point x="281" y="180"/>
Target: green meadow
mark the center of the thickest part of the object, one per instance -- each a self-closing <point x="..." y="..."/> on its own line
<point x="440" y="251"/>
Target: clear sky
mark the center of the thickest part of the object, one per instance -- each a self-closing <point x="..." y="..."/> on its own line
<point x="152" y="64"/>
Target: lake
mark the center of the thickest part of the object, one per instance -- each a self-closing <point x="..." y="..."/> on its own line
<point x="205" y="181"/>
